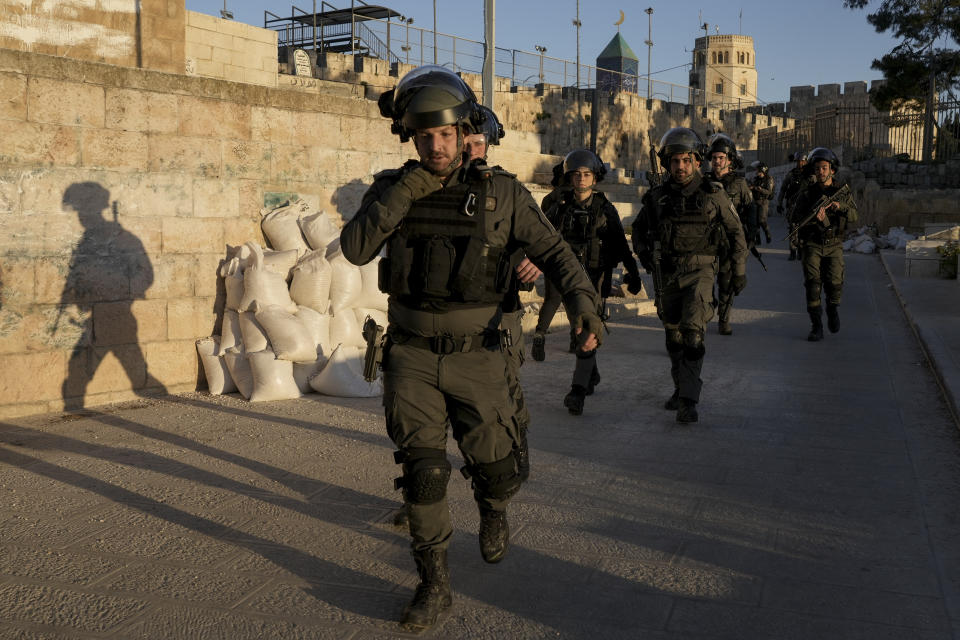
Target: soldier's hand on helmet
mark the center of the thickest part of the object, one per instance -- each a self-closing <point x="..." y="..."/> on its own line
<point x="589" y="330"/>
<point x="527" y="271"/>
<point x="738" y="283"/>
<point x="419" y="183"/>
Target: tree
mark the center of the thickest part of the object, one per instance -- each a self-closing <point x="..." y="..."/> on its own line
<point x="923" y="62"/>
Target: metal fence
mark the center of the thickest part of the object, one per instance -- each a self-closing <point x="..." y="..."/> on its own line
<point x="859" y="132"/>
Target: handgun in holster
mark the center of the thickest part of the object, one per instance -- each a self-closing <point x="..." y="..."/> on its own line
<point x="374" y="335"/>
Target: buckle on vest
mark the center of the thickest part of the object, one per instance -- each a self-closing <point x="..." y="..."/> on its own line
<point x="443" y="345"/>
<point x="469" y="205"/>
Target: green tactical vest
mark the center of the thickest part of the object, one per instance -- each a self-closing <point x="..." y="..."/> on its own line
<point x="580" y="228"/>
<point x="685" y="227"/>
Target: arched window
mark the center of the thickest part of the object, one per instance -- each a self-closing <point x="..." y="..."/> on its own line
<point x="713" y="57"/>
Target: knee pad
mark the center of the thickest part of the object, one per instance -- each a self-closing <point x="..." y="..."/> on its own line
<point x="674" y="340"/>
<point x="425" y="475"/>
<point x="498" y="480"/>
<point x="693" y="347"/>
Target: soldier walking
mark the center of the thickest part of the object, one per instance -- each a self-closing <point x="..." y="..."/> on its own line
<point x="792" y="185"/>
<point x="450" y="229"/>
<point x="761" y="187"/>
<point x="677" y="236"/>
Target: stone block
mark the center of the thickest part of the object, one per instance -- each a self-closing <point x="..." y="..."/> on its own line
<point x="192" y="235"/>
<point x="360" y="134"/>
<point x="13" y="88"/>
<point x="295" y="163"/>
<point x="198" y="50"/>
<point x="27" y="144"/>
<point x="51" y="278"/>
<point x="190" y="318"/>
<point x="129" y="322"/>
<point x="178" y="153"/>
<point x="52" y="101"/>
<point x="10" y="193"/>
<point x="31" y="377"/>
<point x="17" y="277"/>
<point x="233" y="73"/>
<point x="154" y="195"/>
<point x="352" y="166"/>
<point x="201" y="21"/>
<point x="315" y="128"/>
<point x="206" y="275"/>
<point x="268" y="124"/>
<point x="173" y="362"/>
<point x="172" y="277"/>
<point x="245" y="159"/>
<point x="105" y="369"/>
<point x="209" y="68"/>
<point x="216" y="198"/>
<point x="163" y="27"/>
<point x="223" y="56"/>
<point x="240" y="230"/>
<point x="110" y="149"/>
<point x="207" y="118"/>
<point x="260" y="77"/>
<point x="133" y="110"/>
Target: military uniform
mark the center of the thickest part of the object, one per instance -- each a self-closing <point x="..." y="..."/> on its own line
<point x="821" y="251"/>
<point x="738" y="191"/>
<point x="793" y="184"/>
<point x="678" y="234"/>
<point x="447" y="271"/>
<point x="593" y="230"/>
<point x="761" y="188"/>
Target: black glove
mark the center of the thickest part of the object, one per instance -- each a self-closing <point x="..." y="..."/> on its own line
<point x="588" y="323"/>
<point x="738" y="284"/>
<point x="634" y="283"/>
<point x="414" y="185"/>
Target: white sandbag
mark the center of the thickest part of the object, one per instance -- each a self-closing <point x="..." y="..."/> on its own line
<point x="343" y="376"/>
<point x="233" y="286"/>
<point x="281" y="262"/>
<point x="281" y="229"/>
<point x="370" y="295"/>
<point x="215" y="369"/>
<point x="311" y="282"/>
<point x="230" y="335"/>
<point x="272" y="378"/>
<point x="262" y="285"/>
<point x="232" y="265"/>
<point x="345" y="330"/>
<point x="289" y="337"/>
<point x="239" y="369"/>
<point x="254" y="337"/>
<point x="345" y="282"/>
<point x="318" y="324"/>
<point x="303" y="371"/>
<point x="380" y="317"/>
<point x="319" y="229"/>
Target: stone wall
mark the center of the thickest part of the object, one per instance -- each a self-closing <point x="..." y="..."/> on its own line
<point x="230" y="50"/>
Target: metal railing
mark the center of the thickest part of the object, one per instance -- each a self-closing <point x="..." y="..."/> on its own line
<point x="859" y="132"/>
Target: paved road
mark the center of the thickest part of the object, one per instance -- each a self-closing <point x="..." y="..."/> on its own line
<point x="816" y="499"/>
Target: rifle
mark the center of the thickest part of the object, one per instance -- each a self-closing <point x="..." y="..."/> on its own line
<point x="822" y="202"/>
<point x="756" y="254"/>
<point x="653" y="176"/>
<point x="372" y="359"/>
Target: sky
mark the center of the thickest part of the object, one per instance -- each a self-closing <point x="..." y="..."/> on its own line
<point x="796" y="43"/>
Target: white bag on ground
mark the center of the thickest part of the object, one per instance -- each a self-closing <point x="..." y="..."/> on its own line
<point x="370" y="295"/>
<point x="318" y="324"/>
<point x="272" y="378"/>
<point x="311" y="282"/>
<point x="282" y="230"/>
<point x="319" y="230"/>
<point x="264" y="286"/>
<point x="254" y="337"/>
<point x="345" y="282"/>
<point x="240" y="371"/>
<point x="343" y="376"/>
<point x="303" y="371"/>
<point x="215" y="368"/>
<point x="289" y="337"/>
<point x="345" y="330"/>
<point x="230" y="335"/>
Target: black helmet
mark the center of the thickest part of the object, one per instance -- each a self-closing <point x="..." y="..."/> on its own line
<point x="429" y="96"/>
<point x="584" y="158"/>
<point x="490" y="127"/>
<point x="722" y="143"/>
<point x="798" y="156"/>
<point x="680" y="140"/>
<point x="759" y="165"/>
<point x="822" y="153"/>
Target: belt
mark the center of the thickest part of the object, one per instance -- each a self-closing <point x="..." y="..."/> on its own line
<point x="445" y="345"/>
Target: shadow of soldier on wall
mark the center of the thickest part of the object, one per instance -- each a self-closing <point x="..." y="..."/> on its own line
<point x="109" y="269"/>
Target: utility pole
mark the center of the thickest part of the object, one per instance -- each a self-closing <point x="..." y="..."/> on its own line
<point x="649" y="43"/>
<point x="489" y="52"/>
<point x="434" y="31"/>
<point x="542" y="51"/>
<point x="578" y="24"/>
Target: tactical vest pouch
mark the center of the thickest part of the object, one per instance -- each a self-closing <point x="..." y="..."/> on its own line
<point x="392" y="272"/>
<point x="435" y="264"/>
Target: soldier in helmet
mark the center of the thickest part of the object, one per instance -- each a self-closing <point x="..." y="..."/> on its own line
<point x="450" y="229"/>
<point x="677" y="235"/>
<point x="821" y="240"/>
<point x="476" y="146"/>
<point x="761" y="187"/>
<point x="592" y="227"/>
<point x="722" y="154"/>
<point x="792" y="185"/>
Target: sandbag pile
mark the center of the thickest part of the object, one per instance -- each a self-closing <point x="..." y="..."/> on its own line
<point x="867" y="240"/>
<point x="293" y="317"/>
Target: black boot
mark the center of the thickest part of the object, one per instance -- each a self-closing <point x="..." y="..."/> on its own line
<point x="674" y="402"/>
<point x="594" y="381"/>
<point x="522" y="453"/>
<point x="432" y="596"/>
<point x="833" y="317"/>
<point x="687" y="411"/>
<point x="816" y="330"/>
<point x="539" y="342"/>
<point x="769" y="239"/>
<point x="494" y="535"/>
<point x="574" y="399"/>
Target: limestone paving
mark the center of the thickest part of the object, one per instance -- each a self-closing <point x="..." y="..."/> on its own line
<point x="816" y="497"/>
